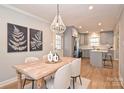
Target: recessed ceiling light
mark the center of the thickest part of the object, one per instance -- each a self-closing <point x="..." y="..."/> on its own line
<point x="102" y="30"/>
<point x="90" y="7"/>
<point x="87" y="31"/>
<point x="80" y="27"/>
<point x="99" y="23"/>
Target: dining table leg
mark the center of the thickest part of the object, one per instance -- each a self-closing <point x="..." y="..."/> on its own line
<point x="19" y="79"/>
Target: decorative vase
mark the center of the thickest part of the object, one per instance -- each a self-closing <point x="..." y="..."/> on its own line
<point x="50" y="57"/>
<point x="55" y="58"/>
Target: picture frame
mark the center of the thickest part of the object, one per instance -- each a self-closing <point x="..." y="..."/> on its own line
<point x="36" y="40"/>
<point x="17" y="38"/>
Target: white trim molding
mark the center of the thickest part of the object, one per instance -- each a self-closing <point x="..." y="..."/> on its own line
<point x="25" y="13"/>
<point x="7" y="82"/>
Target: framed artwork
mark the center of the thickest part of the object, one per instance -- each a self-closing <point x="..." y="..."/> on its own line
<point x="36" y="40"/>
<point x="17" y="38"/>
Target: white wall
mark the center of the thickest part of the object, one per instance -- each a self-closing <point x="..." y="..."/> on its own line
<point x="121" y="47"/>
<point x="7" y="60"/>
<point x="116" y="42"/>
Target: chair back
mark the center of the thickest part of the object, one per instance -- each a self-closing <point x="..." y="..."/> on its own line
<point x="75" y="67"/>
<point x="31" y="59"/>
<point x="45" y="56"/>
<point x="62" y="77"/>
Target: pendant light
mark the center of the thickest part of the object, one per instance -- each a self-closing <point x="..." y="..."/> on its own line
<point x="57" y="25"/>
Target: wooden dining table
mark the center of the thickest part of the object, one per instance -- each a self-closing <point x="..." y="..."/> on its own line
<point x="37" y="70"/>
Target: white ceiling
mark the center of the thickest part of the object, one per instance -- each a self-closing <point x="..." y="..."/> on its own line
<point x="78" y="14"/>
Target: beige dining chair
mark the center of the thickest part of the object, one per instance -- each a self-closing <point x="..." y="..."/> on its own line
<point x="61" y="79"/>
<point x="75" y="71"/>
<point x="30" y="59"/>
<point x="45" y="57"/>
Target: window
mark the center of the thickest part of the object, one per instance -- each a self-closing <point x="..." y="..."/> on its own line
<point x="58" y="42"/>
<point x="94" y="41"/>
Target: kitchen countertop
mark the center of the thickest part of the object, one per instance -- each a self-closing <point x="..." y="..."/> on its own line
<point x="99" y="50"/>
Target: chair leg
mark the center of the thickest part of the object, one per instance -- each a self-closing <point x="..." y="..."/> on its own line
<point x="105" y="59"/>
<point x="45" y="84"/>
<point x="75" y="79"/>
<point x="111" y="61"/>
<point x="104" y="62"/>
<point x="24" y="83"/>
<point x="80" y="79"/>
<point x="73" y="83"/>
<point x="32" y="84"/>
<point x="51" y="77"/>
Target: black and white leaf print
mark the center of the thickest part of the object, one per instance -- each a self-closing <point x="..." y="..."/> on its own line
<point x="17" y="40"/>
<point x="35" y="40"/>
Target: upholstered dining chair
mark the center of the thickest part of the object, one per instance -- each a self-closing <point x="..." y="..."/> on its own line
<point x="75" y="71"/>
<point x="49" y="76"/>
<point x="61" y="79"/>
<point x="45" y="57"/>
<point x="30" y="59"/>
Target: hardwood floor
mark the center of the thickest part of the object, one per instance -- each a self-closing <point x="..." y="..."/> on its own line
<point x="101" y="78"/>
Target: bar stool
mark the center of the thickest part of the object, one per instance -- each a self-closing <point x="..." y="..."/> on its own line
<point x="108" y="58"/>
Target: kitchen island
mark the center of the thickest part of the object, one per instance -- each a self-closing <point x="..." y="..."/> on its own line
<point x="96" y="57"/>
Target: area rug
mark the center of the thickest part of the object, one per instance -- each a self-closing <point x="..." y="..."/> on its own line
<point x="85" y="83"/>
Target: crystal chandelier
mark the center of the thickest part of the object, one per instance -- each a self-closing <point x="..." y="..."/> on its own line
<point x="57" y="25"/>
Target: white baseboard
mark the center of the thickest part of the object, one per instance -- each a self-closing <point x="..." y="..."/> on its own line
<point x="9" y="81"/>
<point x="121" y="80"/>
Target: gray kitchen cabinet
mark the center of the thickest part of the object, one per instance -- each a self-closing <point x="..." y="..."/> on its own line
<point x="69" y="41"/>
<point x="106" y="38"/>
<point x="83" y="39"/>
